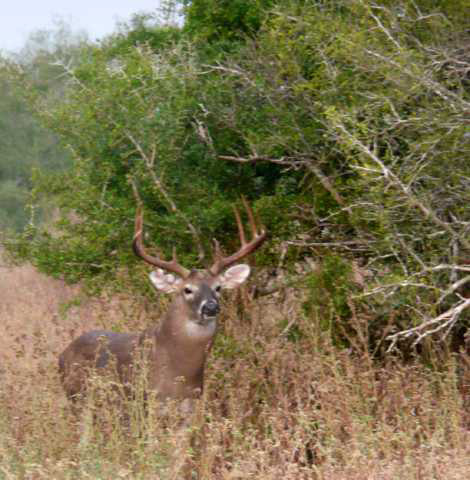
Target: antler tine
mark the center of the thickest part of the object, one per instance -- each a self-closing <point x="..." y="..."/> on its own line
<point x="251" y="217"/>
<point x="217" y="252"/>
<point x="241" y="230"/>
<point x="246" y="248"/>
<point x="139" y="249"/>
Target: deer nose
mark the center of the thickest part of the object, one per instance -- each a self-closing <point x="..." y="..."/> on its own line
<point x="211" y="308"/>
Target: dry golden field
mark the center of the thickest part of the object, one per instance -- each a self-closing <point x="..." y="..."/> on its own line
<point x="275" y="407"/>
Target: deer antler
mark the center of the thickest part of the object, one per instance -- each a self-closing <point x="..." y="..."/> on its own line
<point x="139" y="249"/>
<point x="220" y="262"/>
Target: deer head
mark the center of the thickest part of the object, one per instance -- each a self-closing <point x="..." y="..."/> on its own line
<point x="200" y="290"/>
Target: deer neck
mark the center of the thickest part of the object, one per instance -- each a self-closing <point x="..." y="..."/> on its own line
<point x="184" y="342"/>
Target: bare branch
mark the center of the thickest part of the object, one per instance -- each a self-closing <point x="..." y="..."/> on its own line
<point x="325" y="181"/>
<point x="455" y="286"/>
<point x="384" y="30"/>
<point x="150" y="161"/>
<point x="443" y="266"/>
<point x="285" y="160"/>
<point x="295" y="162"/>
<point x="382" y="288"/>
<point x="434" y="325"/>
<point x="392" y="178"/>
<point x="347" y="245"/>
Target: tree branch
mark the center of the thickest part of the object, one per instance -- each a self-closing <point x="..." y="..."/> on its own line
<point x="406" y="190"/>
<point x="434" y="325"/>
<point x="150" y="161"/>
<point x="293" y="162"/>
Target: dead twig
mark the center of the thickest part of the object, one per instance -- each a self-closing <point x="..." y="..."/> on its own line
<point x="149" y="160"/>
<point x="429" y="327"/>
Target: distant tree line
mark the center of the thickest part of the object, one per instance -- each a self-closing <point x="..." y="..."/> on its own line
<point x="25" y="144"/>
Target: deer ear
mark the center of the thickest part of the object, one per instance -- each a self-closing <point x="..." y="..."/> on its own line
<point x="166" y="282"/>
<point x="234" y="276"/>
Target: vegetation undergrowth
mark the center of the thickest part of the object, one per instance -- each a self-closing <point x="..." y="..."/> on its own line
<point x="274" y="405"/>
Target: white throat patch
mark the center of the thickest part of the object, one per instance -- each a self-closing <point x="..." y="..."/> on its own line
<point x="196" y="330"/>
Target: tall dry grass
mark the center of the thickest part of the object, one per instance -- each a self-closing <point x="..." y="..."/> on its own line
<point x="276" y="405"/>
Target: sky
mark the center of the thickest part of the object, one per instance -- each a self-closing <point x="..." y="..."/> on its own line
<point x="18" y="18"/>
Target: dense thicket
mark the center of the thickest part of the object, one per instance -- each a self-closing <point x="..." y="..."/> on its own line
<point x="344" y="123"/>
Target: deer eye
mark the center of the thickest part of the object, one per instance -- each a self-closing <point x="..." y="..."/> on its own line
<point x="187" y="291"/>
<point x="218" y="289"/>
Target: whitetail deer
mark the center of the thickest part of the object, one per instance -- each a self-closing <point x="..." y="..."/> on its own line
<point x="178" y="347"/>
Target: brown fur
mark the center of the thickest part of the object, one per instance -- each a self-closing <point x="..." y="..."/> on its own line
<point x="176" y="350"/>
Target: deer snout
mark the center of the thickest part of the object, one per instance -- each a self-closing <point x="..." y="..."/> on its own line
<point x="210" y="309"/>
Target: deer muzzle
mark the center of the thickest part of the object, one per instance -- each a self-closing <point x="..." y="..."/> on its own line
<point x="210" y="309"/>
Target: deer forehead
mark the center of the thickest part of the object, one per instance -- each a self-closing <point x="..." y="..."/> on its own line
<point x="231" y="278"/>
<point x="200" y="279"/>
<point x="202" y="288"/>
<point x="197" y="278"/>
